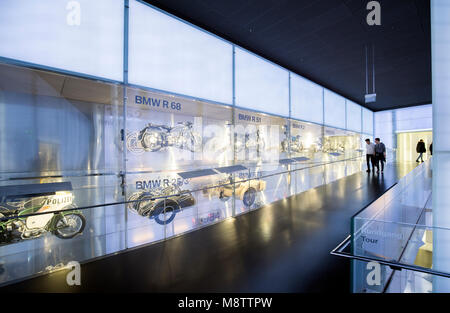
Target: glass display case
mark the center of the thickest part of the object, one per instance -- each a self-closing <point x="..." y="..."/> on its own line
<point x="263" y="152"/>
<point x="89" y="169"/>
<point x="339" y="143"/>
<point x="306" y="140"/>
<point x="58" y="158"/>
<point x="173" y="147"/>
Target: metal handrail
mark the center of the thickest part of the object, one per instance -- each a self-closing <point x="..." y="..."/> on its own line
<point x="338" y="251"/>
<point x="395" y="265"/>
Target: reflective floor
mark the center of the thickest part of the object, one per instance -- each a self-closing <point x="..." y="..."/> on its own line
<point x="282" y="247"/>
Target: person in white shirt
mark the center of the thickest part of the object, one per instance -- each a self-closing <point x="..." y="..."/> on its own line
<point x="370" y="154"/>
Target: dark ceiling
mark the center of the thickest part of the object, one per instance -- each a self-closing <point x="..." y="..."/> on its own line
<point x="324" y="40"/>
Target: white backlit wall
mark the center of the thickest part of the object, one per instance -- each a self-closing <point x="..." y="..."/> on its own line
<point x="261" y="85"/>
<point x="384" y="128"/>
<point x="389" y="123"/>
<point x="353" y="116"/>
<point x="414" y="118"/>
<point x="82" y="36"/>
<point x="440" y="63"/>
<point x="306" y="100"/>
<point x="167" y="54"/>
<point x="164" y="53"/>
<point x="334" y="109"/>
<point x="367" y="121"/>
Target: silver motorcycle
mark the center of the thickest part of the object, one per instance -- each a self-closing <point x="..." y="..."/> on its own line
<point x="156" y="137"/>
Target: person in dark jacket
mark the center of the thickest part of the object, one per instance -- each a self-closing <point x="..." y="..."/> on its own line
<point x="431" y="148"/>
<point x="420" y="149"/>
<point x="380" y="154"/>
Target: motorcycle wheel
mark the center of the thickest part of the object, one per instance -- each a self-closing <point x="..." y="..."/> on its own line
<point x="76" y="221"/>
<point x="164" y="218"/>
<point x="249" y="197"/>
<point x="132" y="143"/>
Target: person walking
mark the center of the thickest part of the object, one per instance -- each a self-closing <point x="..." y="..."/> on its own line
<point x="431" y="148"/>
<point x="420" y="149"/>
<point x="380" y="154"/>
<point x="370" y="154"/>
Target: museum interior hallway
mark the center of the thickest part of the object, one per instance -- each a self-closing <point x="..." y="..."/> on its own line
<point x="282" y="247"/>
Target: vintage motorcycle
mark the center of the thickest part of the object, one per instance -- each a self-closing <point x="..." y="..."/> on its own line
<point x="161" y="204"/>
<point x="250" y="142"/>
<point x="17" y="221"/>
<point x="155" y="137"/>
<point x="296" y="144"/>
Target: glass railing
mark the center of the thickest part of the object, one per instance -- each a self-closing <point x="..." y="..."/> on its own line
<point x="44" y="231"/>
<point x="391" y="240"/>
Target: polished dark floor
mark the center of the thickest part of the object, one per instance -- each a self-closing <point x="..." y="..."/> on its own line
<point x="283" y="247"/>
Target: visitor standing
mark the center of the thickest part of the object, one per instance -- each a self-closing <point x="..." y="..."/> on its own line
<point x="420" y="149"/>
<point x="380" y="154"/>
<point x="370" y="154"/>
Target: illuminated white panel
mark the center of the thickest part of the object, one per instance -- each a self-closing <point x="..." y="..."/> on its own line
<point x="261" y="85"/>
<point x="384" y="128"/>
<point x="414" y="118"/>
<point x="353" y="116"/>
<point x="367" y="121"/>
<point x="334" y="106"/>
<point x="306" y="100"/>
<point x="168" y="54"/>
<point x="82" y="36"/>
<point x="440" y="62"/>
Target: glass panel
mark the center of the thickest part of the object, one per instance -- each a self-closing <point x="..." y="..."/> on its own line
<point x="414" y="118"/>
<point x="340" y="144"/>
<point x="167" y="133"/>
<point x="405" y="245"/>
<point x="117" y="177"/>
<point x="367" y="121"/>
<point x="384" y="128"/>
<point x="353" y="116"/>
<point x="306" y="99"/>
<point x="398" y="227"/>
<point x="306" y="141"/>
<point x="168" y="54"/>
<point x="261" y="85"/>
<point x="67" y="35"/>
<point x="261" y="142"/>
<point x="174" y="146"/>
<point x="334" y="109"/>
<point x="61" y="153"/>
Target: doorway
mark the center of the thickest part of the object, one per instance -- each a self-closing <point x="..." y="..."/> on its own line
<point x="407" y="142"/>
